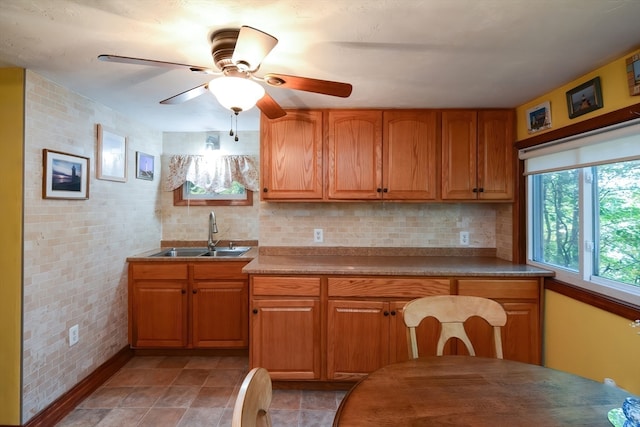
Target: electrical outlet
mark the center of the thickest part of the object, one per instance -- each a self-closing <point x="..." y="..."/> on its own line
<point x="464" y="238"/>
<point x="74" y="335"/>
<point x="317" y="235"/>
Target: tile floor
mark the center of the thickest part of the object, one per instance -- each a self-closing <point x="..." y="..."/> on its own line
<point x="193" y="392"/>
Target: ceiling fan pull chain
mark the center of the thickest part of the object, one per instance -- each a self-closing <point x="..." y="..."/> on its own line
<point x="231" y="126"/>
<point x="236" y="138"/>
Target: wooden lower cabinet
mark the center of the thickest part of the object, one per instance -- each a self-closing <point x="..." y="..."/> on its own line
<point x="158" y="304"/>
<point x="219" y="306"/>
<point x="159" y="314"/>
<point x="285" y="327"/>
<point x="522" y="334"/>
<point x="188" y="305"/>
<point x="365" y="330"/>
<point x="342" y="328"/>
<point x="357" y="339"/>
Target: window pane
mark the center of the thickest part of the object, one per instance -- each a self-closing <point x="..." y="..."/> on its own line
<point x="556" y="218"/>
<point x="192" y="191"/>
<point x="617" y="227"/>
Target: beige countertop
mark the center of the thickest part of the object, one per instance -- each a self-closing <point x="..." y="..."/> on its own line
<point x="442" y="262"/>
<point x="429" y="263"/>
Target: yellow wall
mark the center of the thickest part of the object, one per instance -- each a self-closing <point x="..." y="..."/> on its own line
<point x="580" y="338"/>
<point x="615" y="95"/>
<point x="11" y="161"/>
<point x="590" y="342"/>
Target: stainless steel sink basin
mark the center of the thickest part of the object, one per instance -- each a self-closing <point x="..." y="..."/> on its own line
<point x="227" y="252"/>
<point x="175" y="252"/>
<point x="192" y="252"/>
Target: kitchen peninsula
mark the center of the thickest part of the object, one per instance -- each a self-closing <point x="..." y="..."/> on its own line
<point x="335" y="314"/>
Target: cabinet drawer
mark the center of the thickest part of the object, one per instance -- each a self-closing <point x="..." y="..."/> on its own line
<point x="511" y="288"/>
<point x="285" y="286"/>
<point x="388" y="287"/>
<point x="160" y="271"/>
<point x="218" y="270"/>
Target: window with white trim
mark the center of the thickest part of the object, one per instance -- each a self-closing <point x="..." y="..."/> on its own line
<point x="583" y="209"/>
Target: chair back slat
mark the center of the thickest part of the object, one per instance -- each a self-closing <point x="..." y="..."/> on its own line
<point x="452" y="311"/>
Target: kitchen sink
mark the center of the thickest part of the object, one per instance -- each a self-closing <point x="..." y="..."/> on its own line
<point x="229" y="252"/>
<point x="174" y="252"/>
<point x="200" y="251"/>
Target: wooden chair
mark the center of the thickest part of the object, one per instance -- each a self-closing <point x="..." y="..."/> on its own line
<point x="452" y="311"/>
<point x="254" y="398"/>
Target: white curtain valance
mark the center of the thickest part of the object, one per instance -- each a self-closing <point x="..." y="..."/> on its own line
<point x="214" y="174"/>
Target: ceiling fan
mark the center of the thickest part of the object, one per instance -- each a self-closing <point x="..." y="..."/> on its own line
<point x="237" y="54"/>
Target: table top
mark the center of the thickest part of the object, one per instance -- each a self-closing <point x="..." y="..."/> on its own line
<point x="475" y="391"/>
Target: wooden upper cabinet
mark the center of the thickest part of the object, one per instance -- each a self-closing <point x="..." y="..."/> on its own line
<point x="477" y="154"/>
<point x="459" y="154"/>
<point x="291" y="156"/>
<point x="409" y="155"/>
<point x="354" y="146"/>
<point x="495" y="154"/>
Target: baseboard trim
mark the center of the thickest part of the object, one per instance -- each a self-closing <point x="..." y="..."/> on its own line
<point x="63" y="405"/>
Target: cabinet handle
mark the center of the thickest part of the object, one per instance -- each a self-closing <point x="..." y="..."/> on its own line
<point x="379" y="190"/>
<point x="393" y="312"/>
<point x="195" y="291"/>
<point x="385" y="190"/>
<point x="481" y="190"/>
<point x="386" y="313"/>
<point x="255" y="311"/>
<point x="265" y="189"/>
<point x="475" y="190"/>
<point x="182" y="291"/>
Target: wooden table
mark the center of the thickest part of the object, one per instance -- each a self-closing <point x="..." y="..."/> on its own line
<point x="474" y="391"/>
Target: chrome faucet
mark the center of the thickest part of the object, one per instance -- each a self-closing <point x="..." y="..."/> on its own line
<point x="213" y="228"/>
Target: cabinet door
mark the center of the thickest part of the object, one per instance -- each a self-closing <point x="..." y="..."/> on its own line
<point x="495" y="154"/>
<point x="159" y="314"/>
<point x="427" y="332"/>
<point x="521" y="336"/>
<point x="285" y="338"/>
<point x="459" y="155"/>
<point x="355" y="154"/>
<point x="357" y="338"/>
<point x="409" y="155"/>
<point x="291" y="156"/>
<point x="220" y="314"/>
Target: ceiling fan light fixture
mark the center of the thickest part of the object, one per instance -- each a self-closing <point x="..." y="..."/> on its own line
<point x="236" y="93"/>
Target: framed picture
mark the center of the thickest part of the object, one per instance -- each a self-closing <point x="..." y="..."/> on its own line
<point x="539" y="117"/>
<point x="584" y="98"/>
<point x="111" y="162"/>
<point x="144" y="166"/>
<point x="633" y="74"/>
<point x="64" y="176"/>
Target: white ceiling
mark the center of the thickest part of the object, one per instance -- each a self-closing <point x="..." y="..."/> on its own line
<point x="396" y="53"/>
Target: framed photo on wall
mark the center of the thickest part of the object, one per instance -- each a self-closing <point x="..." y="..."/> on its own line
<point x="539" y="117"/>
<point x="64" y="176"/>
<point x="584" y="98"/>
<point x="633" y="74"/>
<point x="111" y="161"/>
<point x="144" y="166"/>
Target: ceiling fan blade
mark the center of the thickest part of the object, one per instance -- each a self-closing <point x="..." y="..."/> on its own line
<point x="251" y="48"/>
<point x="154" y="63"/>
<point x="270" y="107"/>
<point x="306" y="84"/>
<point x="186" y="95"/>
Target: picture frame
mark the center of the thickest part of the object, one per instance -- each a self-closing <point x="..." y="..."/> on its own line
<point x="585" y="98"/>
<point x="539" y="117"/>
<point x="633" y="74"/>
<point x="144" y="166"/>
<point x="111" y="160"/>
<point x="64" y="176"/>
